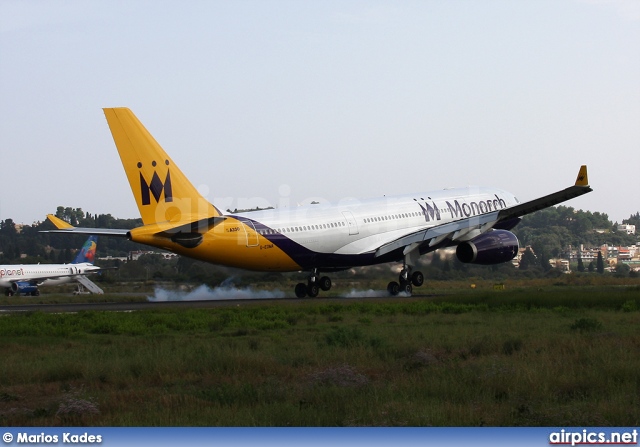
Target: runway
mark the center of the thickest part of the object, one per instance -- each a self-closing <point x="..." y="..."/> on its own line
<point x="195" y="304"/>
<point x="131" y="306"/>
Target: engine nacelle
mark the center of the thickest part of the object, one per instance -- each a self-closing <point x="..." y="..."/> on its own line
<point x="494" y="247"/>
<point x="24" y="287"/>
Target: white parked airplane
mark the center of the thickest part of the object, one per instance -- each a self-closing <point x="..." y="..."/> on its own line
<point x="25" y="279"/>
<point x="314" y="238"/>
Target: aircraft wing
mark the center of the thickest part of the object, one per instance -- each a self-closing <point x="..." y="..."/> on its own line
<point x="434" y="235"/>
<point x="475" y="225"/>
<point x="41" y="279"/>
<point x="545" y="202"/>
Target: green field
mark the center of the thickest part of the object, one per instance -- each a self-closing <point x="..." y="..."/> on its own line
<point x="553" y="355"/>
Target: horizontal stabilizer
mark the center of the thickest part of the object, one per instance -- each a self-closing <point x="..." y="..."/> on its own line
<point x="97" y="231"/>
<point x="199" y="226"/>
<point x="64" y="227"/>
<point x="59" y="223"/>
<point x="187" y="233"/>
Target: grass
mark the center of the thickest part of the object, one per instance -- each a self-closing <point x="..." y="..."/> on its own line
<point x="554" y="356"/>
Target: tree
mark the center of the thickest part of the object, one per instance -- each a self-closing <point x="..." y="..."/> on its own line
<point x="71" y="215"/>
<point x="8" y="228"/>
<point x="543" y="260"/>
<point x="622" y="270"/>
<point x="600" y="263"/>
<point x="528" y="259"/>
<point x="634" y="219"/>
<point x="550" y="244"/>
<point x="582" y="224"/>
<point x="580" y="263"/>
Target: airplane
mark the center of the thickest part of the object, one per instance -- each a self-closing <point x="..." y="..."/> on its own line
<point x="318" y="239"/>
<point x="26" y="278"/>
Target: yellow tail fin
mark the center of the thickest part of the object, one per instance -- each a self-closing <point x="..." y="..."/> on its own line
<point x="161" y="190"/>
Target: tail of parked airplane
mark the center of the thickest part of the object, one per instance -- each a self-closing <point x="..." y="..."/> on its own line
<point x="163" y="193"/>
<point x="88" y="251"/>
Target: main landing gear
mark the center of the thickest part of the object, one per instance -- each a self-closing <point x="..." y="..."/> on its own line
<point x="406" y="281"/>
<point x="407" y="278"/>
<point x="314" y="284"/>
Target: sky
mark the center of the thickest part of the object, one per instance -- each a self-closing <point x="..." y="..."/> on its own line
<point x="274" y="102"/>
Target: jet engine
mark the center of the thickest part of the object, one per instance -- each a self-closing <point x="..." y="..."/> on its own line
<point x="25" y="288"/>
<point x="494" y="247"/>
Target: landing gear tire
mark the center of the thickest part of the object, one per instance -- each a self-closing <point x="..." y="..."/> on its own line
<point x="301" y="290"/>
<point x="393" y="288"/>
<point x="313" y="290"/>
<point x="406" y="288"/>
<point x="325" y="283"/>
<point x="417" y="279"/>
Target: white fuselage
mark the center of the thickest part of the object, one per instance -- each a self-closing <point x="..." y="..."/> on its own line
<point x="356" y="228"/>
<point x="43" y="274"/>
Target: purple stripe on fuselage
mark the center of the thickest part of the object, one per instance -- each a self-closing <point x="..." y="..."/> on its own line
<point x="308" y="259"/>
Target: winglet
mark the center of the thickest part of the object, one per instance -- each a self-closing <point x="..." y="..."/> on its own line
<point x="59" y="223"/>
<point x="582" y="179"/>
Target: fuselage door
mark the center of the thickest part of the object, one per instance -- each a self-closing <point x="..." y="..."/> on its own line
<point x="250" y="232"/>
<point x="351" y="222"/>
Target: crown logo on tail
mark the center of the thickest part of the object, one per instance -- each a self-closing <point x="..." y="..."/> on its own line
<point x="156" y="187"/>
